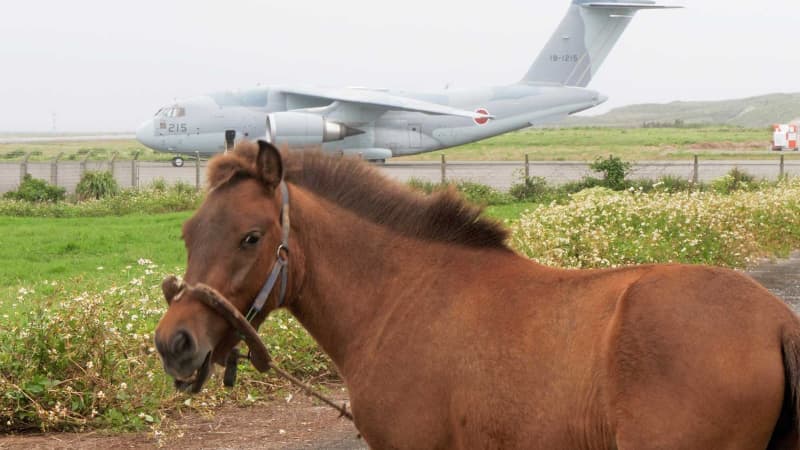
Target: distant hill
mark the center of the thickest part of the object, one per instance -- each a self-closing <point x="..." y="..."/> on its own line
<point x="754" y="112"/>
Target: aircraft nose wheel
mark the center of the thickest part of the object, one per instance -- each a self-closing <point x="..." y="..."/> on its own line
<point x="177" y="161"/>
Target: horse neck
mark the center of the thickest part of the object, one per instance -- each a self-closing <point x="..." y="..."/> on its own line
<point x="351" y="268"/>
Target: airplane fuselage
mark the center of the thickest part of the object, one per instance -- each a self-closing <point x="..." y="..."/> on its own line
<point x="200" y="124"/>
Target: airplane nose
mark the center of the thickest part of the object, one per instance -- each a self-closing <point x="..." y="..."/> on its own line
<point x="145" y="134"/>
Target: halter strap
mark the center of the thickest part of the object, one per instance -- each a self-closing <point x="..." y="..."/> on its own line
<point x="280" y="268"/>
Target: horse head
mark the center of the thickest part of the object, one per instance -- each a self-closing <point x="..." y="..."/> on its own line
<point x="234" y="242"/>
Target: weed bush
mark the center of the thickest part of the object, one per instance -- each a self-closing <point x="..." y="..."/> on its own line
<point x="735" y="180"/>
<point x="129" y="201"/>
<point x="76" y="359"/>
<point x="482" y="194"/>
<point x="474" y="192"/>
<point x="531" y="189"/>
<point x="673" y="184"/>
<point x="424" y="186"/>
<point x="159" y="184"/>
<point x="614" y="171"/>
<point x="36" y="190"/>
<point x="97" y="185"/>
<point x="600" y="228"/>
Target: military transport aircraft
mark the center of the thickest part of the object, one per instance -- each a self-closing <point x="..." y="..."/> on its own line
<point x="379" y="124"/>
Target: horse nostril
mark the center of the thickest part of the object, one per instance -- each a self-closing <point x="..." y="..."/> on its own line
<point x="182" y="343"/>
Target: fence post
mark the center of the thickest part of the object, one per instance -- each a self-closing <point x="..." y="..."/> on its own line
<point x="197" y="171"/>
<point x="696" y="172"/>
<point x="444" y="169"/>
<point x="23" y="168"/>
<point x="527" y="167"/>
<point x="781" y="173"/>
<point x="134" y="172"/>
<point x="54" y="170"/>
<point x="111" y="163"/>
<point x="83" y="165"/>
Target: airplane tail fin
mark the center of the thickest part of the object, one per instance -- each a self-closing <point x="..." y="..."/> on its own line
<point x="583" y="40"/>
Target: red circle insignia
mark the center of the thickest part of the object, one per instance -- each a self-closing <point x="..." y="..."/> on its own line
<point x="481" y="120"/>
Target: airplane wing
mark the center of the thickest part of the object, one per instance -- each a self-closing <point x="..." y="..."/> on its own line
<point x="629" y="5"/>
<point x="383" y="100"/>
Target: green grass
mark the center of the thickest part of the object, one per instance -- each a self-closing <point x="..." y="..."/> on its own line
<point x="567" y="144"/>
<point x="78" y="151"/>
<point x="509" y="212"/>
<point x="586" y="144"/>
<point x="74" y="249"/>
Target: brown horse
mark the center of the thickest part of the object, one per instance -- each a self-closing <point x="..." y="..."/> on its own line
<point x="448" y="339"/>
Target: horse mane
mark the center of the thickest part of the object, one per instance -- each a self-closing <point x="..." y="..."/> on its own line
<point x="357" y="186"/>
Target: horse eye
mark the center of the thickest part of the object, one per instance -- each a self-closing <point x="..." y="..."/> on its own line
<point x="251" y="239"/>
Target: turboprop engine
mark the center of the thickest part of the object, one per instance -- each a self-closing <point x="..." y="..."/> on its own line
<point x="297" y="129"/>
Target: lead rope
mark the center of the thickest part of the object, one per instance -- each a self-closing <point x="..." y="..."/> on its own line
<point x="258" y="354"/>
<point x="343" y="412"/>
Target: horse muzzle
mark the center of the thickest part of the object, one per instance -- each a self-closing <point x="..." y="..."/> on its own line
<point x="183" y="361"/>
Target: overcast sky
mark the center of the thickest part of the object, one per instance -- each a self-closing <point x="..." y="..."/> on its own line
<point x="103" y="65"/>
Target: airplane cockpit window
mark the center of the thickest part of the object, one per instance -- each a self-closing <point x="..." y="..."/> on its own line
<point x="175" y="111"/>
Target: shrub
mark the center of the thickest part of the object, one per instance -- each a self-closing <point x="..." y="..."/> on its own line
<point x="603" y="228"/>
<point x="735" y="180"/>
<point x="423" y="186"/>
<point x="159" y="184"/>
<point x="482" y="194"/>
<point x="531" y="189"/>
<point x="182" y="187"/>
<point x="14" y="154"/>
<point x="97" y="185"/>
<point x="35" y="190"/>
<point x="472" y="192"/>
<point x="83" y="356"/>
<point x="577" y="186"/>
<point x="671" y="183"/>
<point x="129" y="201"/>
<point x="614" y="171"/>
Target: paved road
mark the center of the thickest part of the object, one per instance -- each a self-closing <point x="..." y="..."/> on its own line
<point x="502" y="175"/>
<point x="782" y="278"/>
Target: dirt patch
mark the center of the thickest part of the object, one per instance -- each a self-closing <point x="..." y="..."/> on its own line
<point x="296" y="424"/>
<point x="754" y="145"/>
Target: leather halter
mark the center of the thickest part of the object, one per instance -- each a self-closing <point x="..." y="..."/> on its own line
<point x="281" y="266"/>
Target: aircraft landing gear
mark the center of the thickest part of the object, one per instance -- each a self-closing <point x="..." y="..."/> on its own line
<point x="178" y="161"/>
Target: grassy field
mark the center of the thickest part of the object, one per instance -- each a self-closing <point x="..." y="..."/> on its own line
<point x="568" y="144"/>
<point x="92" y="251"/>
<point x="83" y="251"/>
<point x="586" y="144"/>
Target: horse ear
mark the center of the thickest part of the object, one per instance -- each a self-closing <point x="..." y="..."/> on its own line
<point x="269" y="164"/>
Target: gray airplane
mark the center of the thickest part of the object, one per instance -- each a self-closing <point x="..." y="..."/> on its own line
<point x="380" y="124"/>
